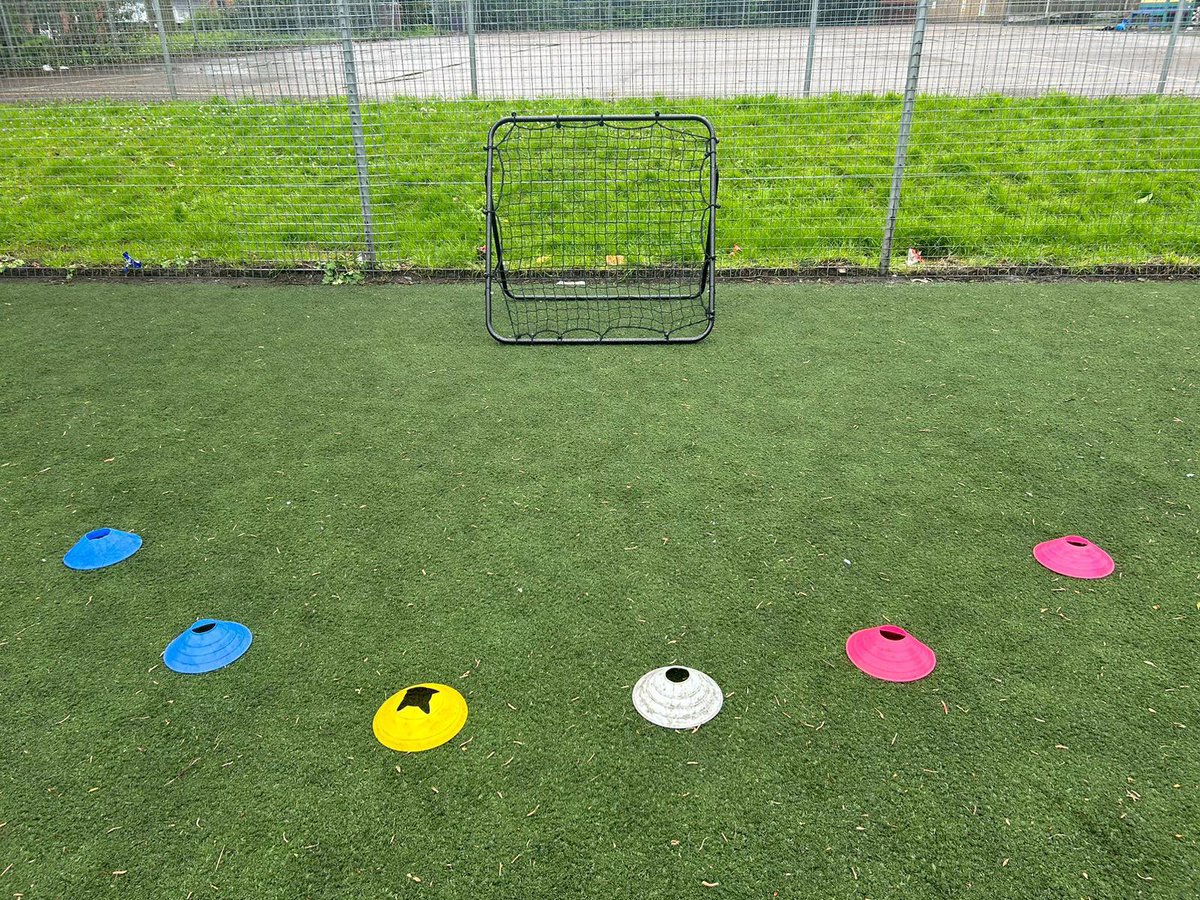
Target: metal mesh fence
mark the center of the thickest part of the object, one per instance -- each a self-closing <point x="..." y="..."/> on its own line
<point x="283" y="133"/>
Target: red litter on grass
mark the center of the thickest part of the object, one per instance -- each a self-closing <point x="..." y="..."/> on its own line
<point x="890" y="653"/>
<point x="1075" y="557"/>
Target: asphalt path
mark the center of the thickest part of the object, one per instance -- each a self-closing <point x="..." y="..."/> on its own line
<point x="957" y="59"/>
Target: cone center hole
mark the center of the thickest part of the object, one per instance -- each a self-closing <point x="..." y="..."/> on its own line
<point x="1077" y="542"/>
<point x="891" y="635"/>
<point x="677" y="674"/>
<point x="97" y="534"/>
<point x="201" y="629"/>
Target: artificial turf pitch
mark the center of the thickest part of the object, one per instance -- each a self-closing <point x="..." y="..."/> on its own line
<point x="385" y="496"/>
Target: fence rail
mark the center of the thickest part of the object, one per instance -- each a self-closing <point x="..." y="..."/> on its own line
<point x="269" y="133"/>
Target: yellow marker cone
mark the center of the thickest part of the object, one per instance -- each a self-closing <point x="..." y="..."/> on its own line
<point x="420" y="717"/>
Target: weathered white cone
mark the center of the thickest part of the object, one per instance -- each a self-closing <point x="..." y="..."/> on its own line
<point x="677" y="697"/>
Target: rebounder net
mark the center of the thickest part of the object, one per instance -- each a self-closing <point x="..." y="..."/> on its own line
<point x="601" y="228"/>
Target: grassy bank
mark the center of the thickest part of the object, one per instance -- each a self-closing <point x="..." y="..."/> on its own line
<point x="992" y="180"/>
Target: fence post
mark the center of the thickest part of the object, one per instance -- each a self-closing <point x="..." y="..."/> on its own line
<point x="166" y="52"/>
<point x="7" y="32"/>
<point x="910" y="99"/>
<point x="356" y="131"/>
<point x="812" y="44"/>
<point x="195" y="33"/>
<point x="8" y="40"/>
<point x="470" y="16"/>
<point x="1166" y="68"/>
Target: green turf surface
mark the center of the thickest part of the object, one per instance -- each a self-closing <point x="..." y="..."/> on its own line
<point x="991" y="181"/>
<point x="385" y="496"/>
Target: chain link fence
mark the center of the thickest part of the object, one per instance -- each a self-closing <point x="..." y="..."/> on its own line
<point x="856" y="135"/>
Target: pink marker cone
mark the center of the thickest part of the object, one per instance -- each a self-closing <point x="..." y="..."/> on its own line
<point x="1074" y="557"/>
<point x="891" y="653"/>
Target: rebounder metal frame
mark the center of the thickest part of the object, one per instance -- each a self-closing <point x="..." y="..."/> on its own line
<point x="496" y="273"/>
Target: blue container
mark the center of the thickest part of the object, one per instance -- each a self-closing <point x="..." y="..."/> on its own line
<point x="209" y="644"/>
<point x="102" y="547"/>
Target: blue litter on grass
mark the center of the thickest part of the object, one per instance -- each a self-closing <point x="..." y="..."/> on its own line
<point x="102" y="547"/>
<point x="131" y="264"/>
<point x="209" y="644"/>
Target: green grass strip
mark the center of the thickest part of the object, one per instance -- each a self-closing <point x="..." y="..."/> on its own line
<point x="991" y="180"/>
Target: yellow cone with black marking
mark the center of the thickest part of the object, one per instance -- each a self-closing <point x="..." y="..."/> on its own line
<point x="420" y="717"/>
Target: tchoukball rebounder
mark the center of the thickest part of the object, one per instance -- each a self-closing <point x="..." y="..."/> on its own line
<point x="601" y="229"/>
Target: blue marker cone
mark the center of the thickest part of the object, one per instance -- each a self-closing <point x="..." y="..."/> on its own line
<point x="100" y="548"/>
<point x="209" y="644"/>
